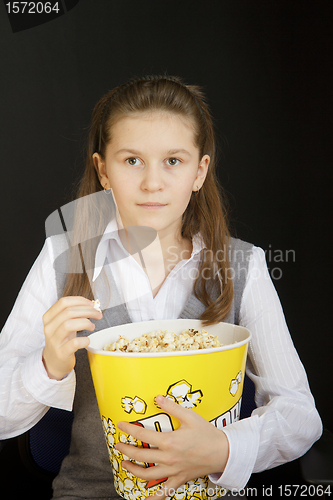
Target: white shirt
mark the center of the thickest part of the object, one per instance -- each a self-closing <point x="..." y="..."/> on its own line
<point x="282" y="428"/>
<point x="134" y="285"/>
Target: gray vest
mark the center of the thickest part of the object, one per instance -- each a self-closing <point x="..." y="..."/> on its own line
<point x="86" y="471"/>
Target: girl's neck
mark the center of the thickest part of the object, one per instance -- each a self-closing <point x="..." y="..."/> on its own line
<point x="161" y="256"/>
<point x="174" y="249"/>
<point x="174" y="244"/>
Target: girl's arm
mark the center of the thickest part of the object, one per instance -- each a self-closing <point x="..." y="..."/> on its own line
<point x="27" y="389"/>
<point x="286" y="422"/>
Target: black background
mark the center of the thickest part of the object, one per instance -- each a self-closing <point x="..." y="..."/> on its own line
<point x="266" y="68"/>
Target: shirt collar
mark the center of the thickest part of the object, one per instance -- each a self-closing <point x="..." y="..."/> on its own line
<point x="197" y="244"/>
<point x="111" y="233"/>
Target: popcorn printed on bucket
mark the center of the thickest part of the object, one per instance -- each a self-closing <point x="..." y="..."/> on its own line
<point x="181" y="393"/>
<point x="235" y="383"/>
<point x="131" y="487"/>
<point x="136" y="404"/>
<point x="164" y="341"/>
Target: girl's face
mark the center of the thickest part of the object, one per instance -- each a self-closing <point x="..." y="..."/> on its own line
<point x="152" y="166"/>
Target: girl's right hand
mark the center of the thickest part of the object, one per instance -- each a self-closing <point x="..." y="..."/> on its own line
<point x="61" y="322"/>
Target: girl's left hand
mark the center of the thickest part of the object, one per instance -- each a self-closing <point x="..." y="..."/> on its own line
<point x="197" y="448"/>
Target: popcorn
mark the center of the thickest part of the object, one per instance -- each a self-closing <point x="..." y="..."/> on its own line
<point x="97" y="305"/>
<point x="164" y="341"/>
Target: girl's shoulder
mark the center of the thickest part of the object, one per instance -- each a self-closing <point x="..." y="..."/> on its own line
<point x="239" y="250"/>
<point x="58" y="243"/>
<point x="61" y="253"/>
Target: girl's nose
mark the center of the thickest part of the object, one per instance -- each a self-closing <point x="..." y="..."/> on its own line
<point x="152" y="178"/>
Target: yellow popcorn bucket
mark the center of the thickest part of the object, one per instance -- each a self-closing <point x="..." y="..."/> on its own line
<point x="208" y="381"/>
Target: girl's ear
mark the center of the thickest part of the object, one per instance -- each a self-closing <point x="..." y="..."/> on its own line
<point x="101" y="171"/>
<point x="202" y="172"/>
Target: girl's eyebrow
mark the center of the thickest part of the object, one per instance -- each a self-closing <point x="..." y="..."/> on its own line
<point x="138" y="153"/>
<point x="131" y="151"/>
<point x="176" y="151"/>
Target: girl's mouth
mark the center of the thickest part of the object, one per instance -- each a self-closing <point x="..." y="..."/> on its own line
<point x="151" y="205"/>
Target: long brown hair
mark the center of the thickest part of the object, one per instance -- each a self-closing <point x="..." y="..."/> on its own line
<point x="205" y="213"/>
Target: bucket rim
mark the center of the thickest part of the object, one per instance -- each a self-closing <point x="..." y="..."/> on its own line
<point x="153" y="325"/>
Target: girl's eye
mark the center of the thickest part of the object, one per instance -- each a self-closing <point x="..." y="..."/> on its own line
<point x="134" y="162"/>
<point x="173" y="161"/>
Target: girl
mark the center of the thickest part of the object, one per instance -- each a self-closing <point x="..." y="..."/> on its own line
<point x="152" y="145"/>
